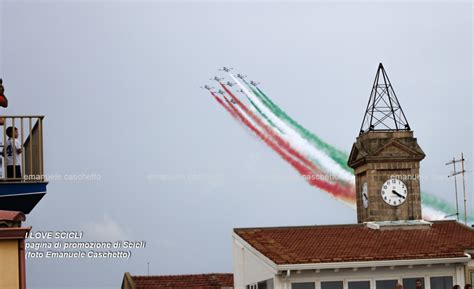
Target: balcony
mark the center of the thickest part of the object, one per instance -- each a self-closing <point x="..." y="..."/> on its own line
<point x="22" y="178"/>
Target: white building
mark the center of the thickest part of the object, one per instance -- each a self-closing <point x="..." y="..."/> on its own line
<point x="359" y="256"/>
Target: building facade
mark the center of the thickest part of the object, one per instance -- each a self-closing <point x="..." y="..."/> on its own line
<point x="360" y="256"/>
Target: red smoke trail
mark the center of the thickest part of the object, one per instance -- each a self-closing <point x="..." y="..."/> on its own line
<point x="224" y="105"/>
<point x="337" y="188"/>
<point x="334" y="189"/>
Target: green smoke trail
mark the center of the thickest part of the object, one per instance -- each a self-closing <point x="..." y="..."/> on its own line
<point x="264" y="116"/>
<point x="440" y="205"/>
<point x="337" y="155"/>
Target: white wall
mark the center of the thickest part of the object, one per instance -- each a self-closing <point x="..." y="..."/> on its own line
<point x="248" y="268"/>
<point x="470" y="269"/>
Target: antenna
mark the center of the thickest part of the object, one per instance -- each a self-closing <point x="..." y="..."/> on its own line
<point x="383" y="112"/>
<point x="148" y="268"/>
<point x="463" y="171"/>
<point x="454" y="174"/>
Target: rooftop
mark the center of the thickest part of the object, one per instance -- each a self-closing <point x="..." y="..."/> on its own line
<point x="10" y="219"/>
<point x="198" y="281"/>
<point x="358" y="242"/>
<point x="12" y="216"/>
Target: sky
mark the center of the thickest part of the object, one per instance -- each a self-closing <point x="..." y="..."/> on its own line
<point x="119" y="84"/>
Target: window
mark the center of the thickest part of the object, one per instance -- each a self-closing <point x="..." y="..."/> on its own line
<point x="410" y="283"/>
<point x="307" y="285"/>
<point x="332" y="285"/>
<point x="267" y="284"/>
<point x="386" y="284"/>
<point x="441" y="282"/>
<point x="270" y="284"/>
<point x="359" y="284"/>
<point x="262" y="285"/>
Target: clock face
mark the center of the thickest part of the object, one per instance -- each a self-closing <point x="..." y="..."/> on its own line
<point x="364" y="194"/>
<point x="394" y="192"/>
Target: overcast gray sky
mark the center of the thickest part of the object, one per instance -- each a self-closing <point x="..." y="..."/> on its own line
<point x="119" y="85"/>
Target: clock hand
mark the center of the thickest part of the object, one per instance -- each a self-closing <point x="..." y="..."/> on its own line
<point x="396" y="193"/>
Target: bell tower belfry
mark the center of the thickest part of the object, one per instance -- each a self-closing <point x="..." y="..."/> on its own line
<point x="386" y="159"/>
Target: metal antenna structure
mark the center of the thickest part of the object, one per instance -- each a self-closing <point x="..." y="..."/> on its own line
<point x="383" y="112"/>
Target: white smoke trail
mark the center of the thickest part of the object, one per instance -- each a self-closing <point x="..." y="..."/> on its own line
<point x="265" y="120"/>
<point x="432" y="214"/>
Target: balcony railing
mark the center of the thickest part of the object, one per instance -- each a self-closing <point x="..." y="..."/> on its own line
<point x="28" y="153"/>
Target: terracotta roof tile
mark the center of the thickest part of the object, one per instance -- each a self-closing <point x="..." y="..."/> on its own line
<point x="11" y="216"/>
<point x="199" y="281"/>
<point x="349" y="243"/>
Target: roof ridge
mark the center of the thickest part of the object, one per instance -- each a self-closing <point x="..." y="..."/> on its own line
<point x="181" y="275"/>
<point x="302" y="227"/>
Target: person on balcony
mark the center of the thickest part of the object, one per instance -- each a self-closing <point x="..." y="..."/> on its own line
<point x="13" y="153"/>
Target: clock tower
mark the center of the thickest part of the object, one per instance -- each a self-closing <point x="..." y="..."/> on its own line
<point x="386" y="159"/>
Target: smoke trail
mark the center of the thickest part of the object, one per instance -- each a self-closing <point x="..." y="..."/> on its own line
<point x="264" y="116"/>
<point x="337" y="155"/>
<point x="269" y="131"/>
<point x="231" y="112"/>
<point x="336" y="190"/>
<point x="431" y="201"/>
<point x="339" y="191"/>
<point x="300" y="143"/>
